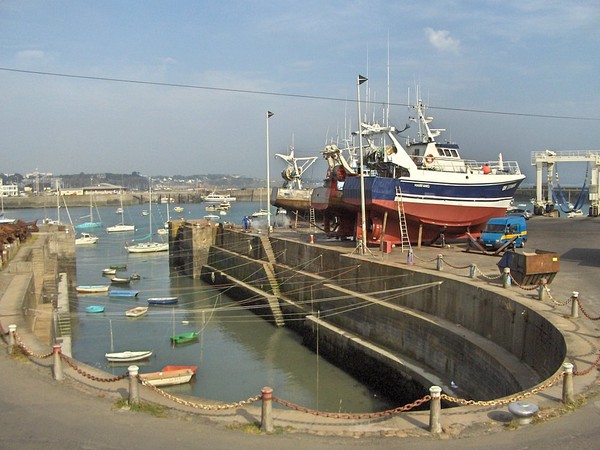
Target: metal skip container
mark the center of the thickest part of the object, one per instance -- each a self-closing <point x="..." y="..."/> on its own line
<point x="529" y="268"/>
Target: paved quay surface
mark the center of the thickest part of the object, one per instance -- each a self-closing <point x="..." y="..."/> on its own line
<point x="36" y="411"/>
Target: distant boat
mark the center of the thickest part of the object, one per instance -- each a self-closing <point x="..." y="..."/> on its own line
<point x="109" y="271"/>
<point x="120" y="227"/>
<point x="213" y="197"/>
<point x="145" y="213"/>
<point x="86" y="239"/>
<point x="168" y="378"/>
<point x="118" y="266"/>
<point x="261" y="213"/>
<point x="178" y="209"/>
<point x="138" y="311"/>
<point x="94" y="309"/>
<point x="149" y="246"/>
<point x="162" y="300"/>
<point x="165" y="228"/>
<point x="211" y="217"/>
<point x="185" y="337"/>
<point x="91" y="223"/>
<point x="128" y="356"/>
<point x="92" y="288"/>
<point x="120" y="280"/>
<point x="123" y="293"/>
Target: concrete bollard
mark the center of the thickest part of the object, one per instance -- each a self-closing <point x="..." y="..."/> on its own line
<point x="506" y="277"/>
<point x="134" y="392"/>
<point x="435" y="409"/>
<point x="410" y="258"/>
<point x="567" y="394"/>
<point x="266" y="423"/>
<point x="440" y="262"/>
<point x="574" y="305"/>
<point x="57" y="369"/>
<point x="12" y="342"/>
<point x="543" y="290"/>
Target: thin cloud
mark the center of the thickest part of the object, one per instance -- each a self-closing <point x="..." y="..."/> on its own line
<point x="442" y="41"/>
<point x="31" y="55"/>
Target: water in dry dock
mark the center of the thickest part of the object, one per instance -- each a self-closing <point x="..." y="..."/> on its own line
<point x="237" y="352"/>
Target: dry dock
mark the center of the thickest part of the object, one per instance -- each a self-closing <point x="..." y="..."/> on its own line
<point x="577" y="243"/>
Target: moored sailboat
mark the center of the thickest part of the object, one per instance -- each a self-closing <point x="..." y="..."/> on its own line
<point x="121" y="227"/>
<point x="91" y="223"/>
<point x="148" y="246"/>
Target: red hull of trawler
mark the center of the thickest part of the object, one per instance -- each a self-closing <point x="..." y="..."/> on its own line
<point x="426" y="223"/>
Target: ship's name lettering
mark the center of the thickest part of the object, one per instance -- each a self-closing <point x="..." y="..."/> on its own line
<point x="421" y="185"/>
<point x="509" y="186"/>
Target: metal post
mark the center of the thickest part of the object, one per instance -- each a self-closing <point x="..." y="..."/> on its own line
<point x="58" y="369"/>
<point x="435" y="408"/>
<point x="440" y="262"/>
<point x="472" y="270"/>
<point x="269" y="114"/>
<point x="506" y="278"/>
<point x="12" y="329"/>
<point x="567" y="394"/>
<point x="574" y="305"/>
<point x="363" y="219"/>
<point x="134" y="393"/>
<point x="410" y="258"/>
<point x="266" y="423"/>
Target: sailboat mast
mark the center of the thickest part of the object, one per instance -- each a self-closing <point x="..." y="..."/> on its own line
<point x="150" y="205"/>
<point x="112" y="347"/>
<point x="57" y="202"/>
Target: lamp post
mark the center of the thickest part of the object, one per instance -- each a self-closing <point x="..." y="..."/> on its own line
<point x="269" y="114"/>
<point x="363" y="245"/>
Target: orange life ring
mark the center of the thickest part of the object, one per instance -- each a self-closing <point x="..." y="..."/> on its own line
<point x="429" y="159"/>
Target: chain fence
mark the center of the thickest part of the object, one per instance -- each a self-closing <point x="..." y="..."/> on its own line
<point x="353" y="416"/>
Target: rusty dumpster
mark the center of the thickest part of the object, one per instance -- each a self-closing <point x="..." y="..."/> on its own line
<point x="528" y="268"/>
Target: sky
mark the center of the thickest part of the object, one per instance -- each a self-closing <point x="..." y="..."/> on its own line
<point x="183" y="88"/>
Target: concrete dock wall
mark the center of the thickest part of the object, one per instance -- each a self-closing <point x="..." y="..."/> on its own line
<point x="426" y="327"/>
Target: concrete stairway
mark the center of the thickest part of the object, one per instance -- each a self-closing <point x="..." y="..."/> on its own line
<point x="270" y="273"/>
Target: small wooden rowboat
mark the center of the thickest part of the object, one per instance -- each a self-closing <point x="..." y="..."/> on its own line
<point x="123" y="293"/>
<point x="162" y="300"/>
<point x="120" y="280"/>
<point x="167" y="378"/>
<point x="92" y="288"/>
<point x="128" y="356"/>
<point x="184" y="337"/>
<point x="138" y="311"/>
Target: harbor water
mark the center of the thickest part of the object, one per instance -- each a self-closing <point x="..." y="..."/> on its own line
<point x="237" y="352"/>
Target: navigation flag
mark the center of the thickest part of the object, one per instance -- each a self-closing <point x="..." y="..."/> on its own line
<point x="269" y="114"/>
<point x="361" y="79"/>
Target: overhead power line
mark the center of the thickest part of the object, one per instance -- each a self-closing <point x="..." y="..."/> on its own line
<point x="280" y="94"/>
